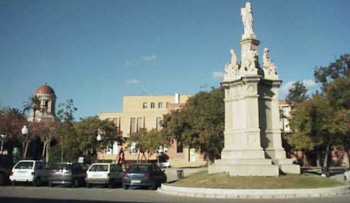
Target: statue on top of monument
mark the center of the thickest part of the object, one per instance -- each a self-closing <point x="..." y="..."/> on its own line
<point x="269" y="66"/>
<point x="231" y="68"/>
<point x="247" y="19"/>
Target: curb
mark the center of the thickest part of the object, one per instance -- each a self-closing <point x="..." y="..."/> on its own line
<point x="253" y="193"/>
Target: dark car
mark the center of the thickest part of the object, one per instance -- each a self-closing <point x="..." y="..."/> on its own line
<point x="143" y="175"/>
<point x="6" y="164"/>
<point x="72" y="174"/>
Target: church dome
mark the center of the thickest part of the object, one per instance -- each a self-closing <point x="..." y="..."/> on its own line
<point x="44" y="89"/>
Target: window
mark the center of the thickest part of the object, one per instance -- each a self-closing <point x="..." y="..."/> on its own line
<point x="179" y="147"/>
<point x="133" y="149"/>
<point x="160" y="105"/>
<point x="139" y="123"/>
<point x="101" y="168"/>
<point x="116" y="122"/>
<point x="25" y="165"/>
<point x="152" y="105"/>
<point x="158" y="126"/>
<point x="132" y="125"/>
<point x="144" y="105"/>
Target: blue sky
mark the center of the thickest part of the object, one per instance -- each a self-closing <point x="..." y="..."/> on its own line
<point x="96" y="52"/>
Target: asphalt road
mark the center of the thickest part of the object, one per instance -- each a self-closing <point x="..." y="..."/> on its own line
<point x="60" y="194"/>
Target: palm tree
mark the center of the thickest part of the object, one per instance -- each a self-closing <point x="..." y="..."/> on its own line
<point x="33" y="103"/>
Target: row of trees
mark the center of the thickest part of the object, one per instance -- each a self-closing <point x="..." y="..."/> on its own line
<point x="69" y="139"/>
<point x="322" y="121"/>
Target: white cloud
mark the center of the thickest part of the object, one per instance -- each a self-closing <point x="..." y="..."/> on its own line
<point x="308" y="83"/>
<point x="133" y="82"/>
<point x="218" y="75"/>
<point x="148" y="58"/>
<point x="285" y="88"/>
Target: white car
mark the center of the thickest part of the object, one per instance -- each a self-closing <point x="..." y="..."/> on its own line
<point x="347" y="175"/>
<point x="29" y="171"/>
<point x="104" y="174"/>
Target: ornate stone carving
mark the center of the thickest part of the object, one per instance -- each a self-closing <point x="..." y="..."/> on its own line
<point x="232" y="67"/>
<point x="250" y="61"/>
<point x="269" y="67"/>
<point x="247" y="19"/>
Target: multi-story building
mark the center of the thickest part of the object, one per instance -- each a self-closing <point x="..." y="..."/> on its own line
<point x="147" y="112"/>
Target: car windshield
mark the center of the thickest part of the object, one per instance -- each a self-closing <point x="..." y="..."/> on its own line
<point x="25" y="165"/>
<point x="100" y="168"/>
<point x="62" y="167"/>
<point x="139" y="168"/>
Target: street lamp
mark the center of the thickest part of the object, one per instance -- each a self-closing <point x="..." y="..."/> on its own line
<point x="25" y="130"/>
<point x="99" y="139"/>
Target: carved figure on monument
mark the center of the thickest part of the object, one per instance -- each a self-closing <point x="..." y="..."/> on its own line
<point x="247" y="19"/>
<point x="269" y="66"/>
<point x="250" y="61"/>
<point x="231" y="68"/>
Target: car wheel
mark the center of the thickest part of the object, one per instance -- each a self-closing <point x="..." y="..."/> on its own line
<point x="88" y="185"/>
<point x="111" y="184"/>
<point x="37" y="182"/>
<point x="2" y="179"/>
<point x="75" y="183"/>
<point x="13" y="183"/>
<point x="153" y="186"/>
<point x="125" y="187"/>
<point x="50" y="184"/>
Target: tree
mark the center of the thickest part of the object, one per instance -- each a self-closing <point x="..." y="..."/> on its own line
<point x="297" y="94"/>
<point x="147" y="142"/>
<point x="312" y="122"/>
<point x="335" y="79"/>
<point x="200" y="123"/>
<point x="337" y="69"/>
<point x="11" y="122"/>
<point x="66" y="115"/>
<point x="33" y="103"/>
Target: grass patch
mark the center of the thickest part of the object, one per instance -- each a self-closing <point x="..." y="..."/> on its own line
<point x="224" y="181"/>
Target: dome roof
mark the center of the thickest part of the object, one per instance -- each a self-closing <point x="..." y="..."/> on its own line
<point x="44" y="89"/>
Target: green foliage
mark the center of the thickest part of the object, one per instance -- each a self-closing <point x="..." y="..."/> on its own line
<point x="66" y="110"/>
<point x="312" y="121"/>
<point x="32" y="103"/>
<point x="199" y="124"/>
<point x="337" y="69"/>
<point x="297" y="94"/>
<point x="147" y="141"/>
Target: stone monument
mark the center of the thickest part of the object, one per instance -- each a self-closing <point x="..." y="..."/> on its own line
<point x="253" y="144"/>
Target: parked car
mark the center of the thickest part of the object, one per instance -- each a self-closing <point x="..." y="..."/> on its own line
<point x="72" y="174"/>
<point x="29" y="171"/>
<point x="347" y="175"/>
<point x="104" y="174"/>
<point x="6" y="164"/>
<point x="143" y="175"/>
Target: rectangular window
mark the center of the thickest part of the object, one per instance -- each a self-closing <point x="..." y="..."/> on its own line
<point x="179" y="147"/>
<point x="160" y="105"/>
<point x="158" y="126"/>
<point x="132" y="125"/>
<point x="116" y="122"/>
<point x="144" y="105"/>
<point x="133" y="149"/>
<point x="139" y="123"/>
<point x="152" y="105"/>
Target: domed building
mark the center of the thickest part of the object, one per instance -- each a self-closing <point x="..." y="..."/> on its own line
<point x="46" y="102"/>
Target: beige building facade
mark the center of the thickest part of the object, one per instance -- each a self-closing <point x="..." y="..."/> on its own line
<point x="147" y="112"/>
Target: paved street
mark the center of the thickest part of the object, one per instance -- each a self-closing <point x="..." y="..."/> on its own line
<point x="59" y="194"/>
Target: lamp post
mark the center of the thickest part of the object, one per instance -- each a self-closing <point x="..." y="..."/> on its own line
<point x="99" y="139"/>
<point x="25" y="132"/>
<point x="2" y="143"/>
